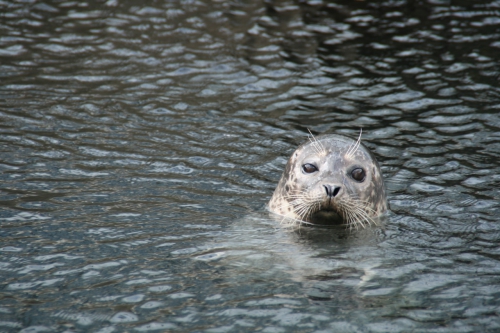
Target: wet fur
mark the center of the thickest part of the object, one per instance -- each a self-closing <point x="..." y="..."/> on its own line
<point x="299" y="197"/>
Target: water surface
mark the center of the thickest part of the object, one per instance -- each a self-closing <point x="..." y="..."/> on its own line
<point x="140" y="144"/>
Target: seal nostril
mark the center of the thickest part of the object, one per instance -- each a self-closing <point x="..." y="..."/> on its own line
<point x="335" y="191"/>
<point x="332" y="191"/>
<point x="328" y="190"/>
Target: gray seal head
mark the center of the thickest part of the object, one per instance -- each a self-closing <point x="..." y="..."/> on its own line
<point x="332" y="179"/>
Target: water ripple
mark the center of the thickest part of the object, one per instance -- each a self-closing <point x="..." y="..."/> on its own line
<point x="140" y="143"/>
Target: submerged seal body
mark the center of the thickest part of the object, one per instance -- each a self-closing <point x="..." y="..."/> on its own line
<point x="330" y="180"/>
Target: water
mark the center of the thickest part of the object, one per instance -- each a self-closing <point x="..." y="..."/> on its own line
<point x="140" y="144"/>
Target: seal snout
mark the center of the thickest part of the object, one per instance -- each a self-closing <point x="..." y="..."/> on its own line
<point x="332" y="190"/>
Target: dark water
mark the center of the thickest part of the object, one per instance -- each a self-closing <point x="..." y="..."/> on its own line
<point x="140" y="143"/>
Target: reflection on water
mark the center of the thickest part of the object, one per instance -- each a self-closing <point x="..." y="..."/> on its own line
<point x="140" y="143"/>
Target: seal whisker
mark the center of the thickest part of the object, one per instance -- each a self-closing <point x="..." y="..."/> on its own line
<point x="352" y="219"/>
<point x="299" y="192"/>
<point x="357" y="213"/>
<point x="304" y="210"/>
<point x="305" y="204"/>
<point x="320" y="149"/>
<point x="353" y="148"/>
<point x="296" y="196"/>
<point x="363" y="216"/>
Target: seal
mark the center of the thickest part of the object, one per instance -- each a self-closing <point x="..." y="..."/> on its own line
<point x="331" y="179"/>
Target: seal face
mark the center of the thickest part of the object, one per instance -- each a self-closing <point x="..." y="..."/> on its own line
<point x="332" y="179"/>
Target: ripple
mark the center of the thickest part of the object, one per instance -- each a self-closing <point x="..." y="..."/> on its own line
<point x="134" y="298"/>
<point x="14" y="50"/>
<point x="156" y="326"/>
<point x="124" y="317"/>
<point x="152" y="305"/>
<point x="431" y="281"/>
<point x="141" y="143"/>
<point x="160" y="288"/>
<point x="31" y="285"/>
<point x="424" y="103"/>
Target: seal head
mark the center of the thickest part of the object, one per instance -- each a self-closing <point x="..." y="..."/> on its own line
<point x="332" y="179"/>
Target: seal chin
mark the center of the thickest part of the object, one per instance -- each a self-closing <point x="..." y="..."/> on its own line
<point x="326" y="217"/>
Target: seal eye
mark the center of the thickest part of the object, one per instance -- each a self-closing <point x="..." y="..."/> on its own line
<point x="309" y="168"/>
<point x="358" y="174"/>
